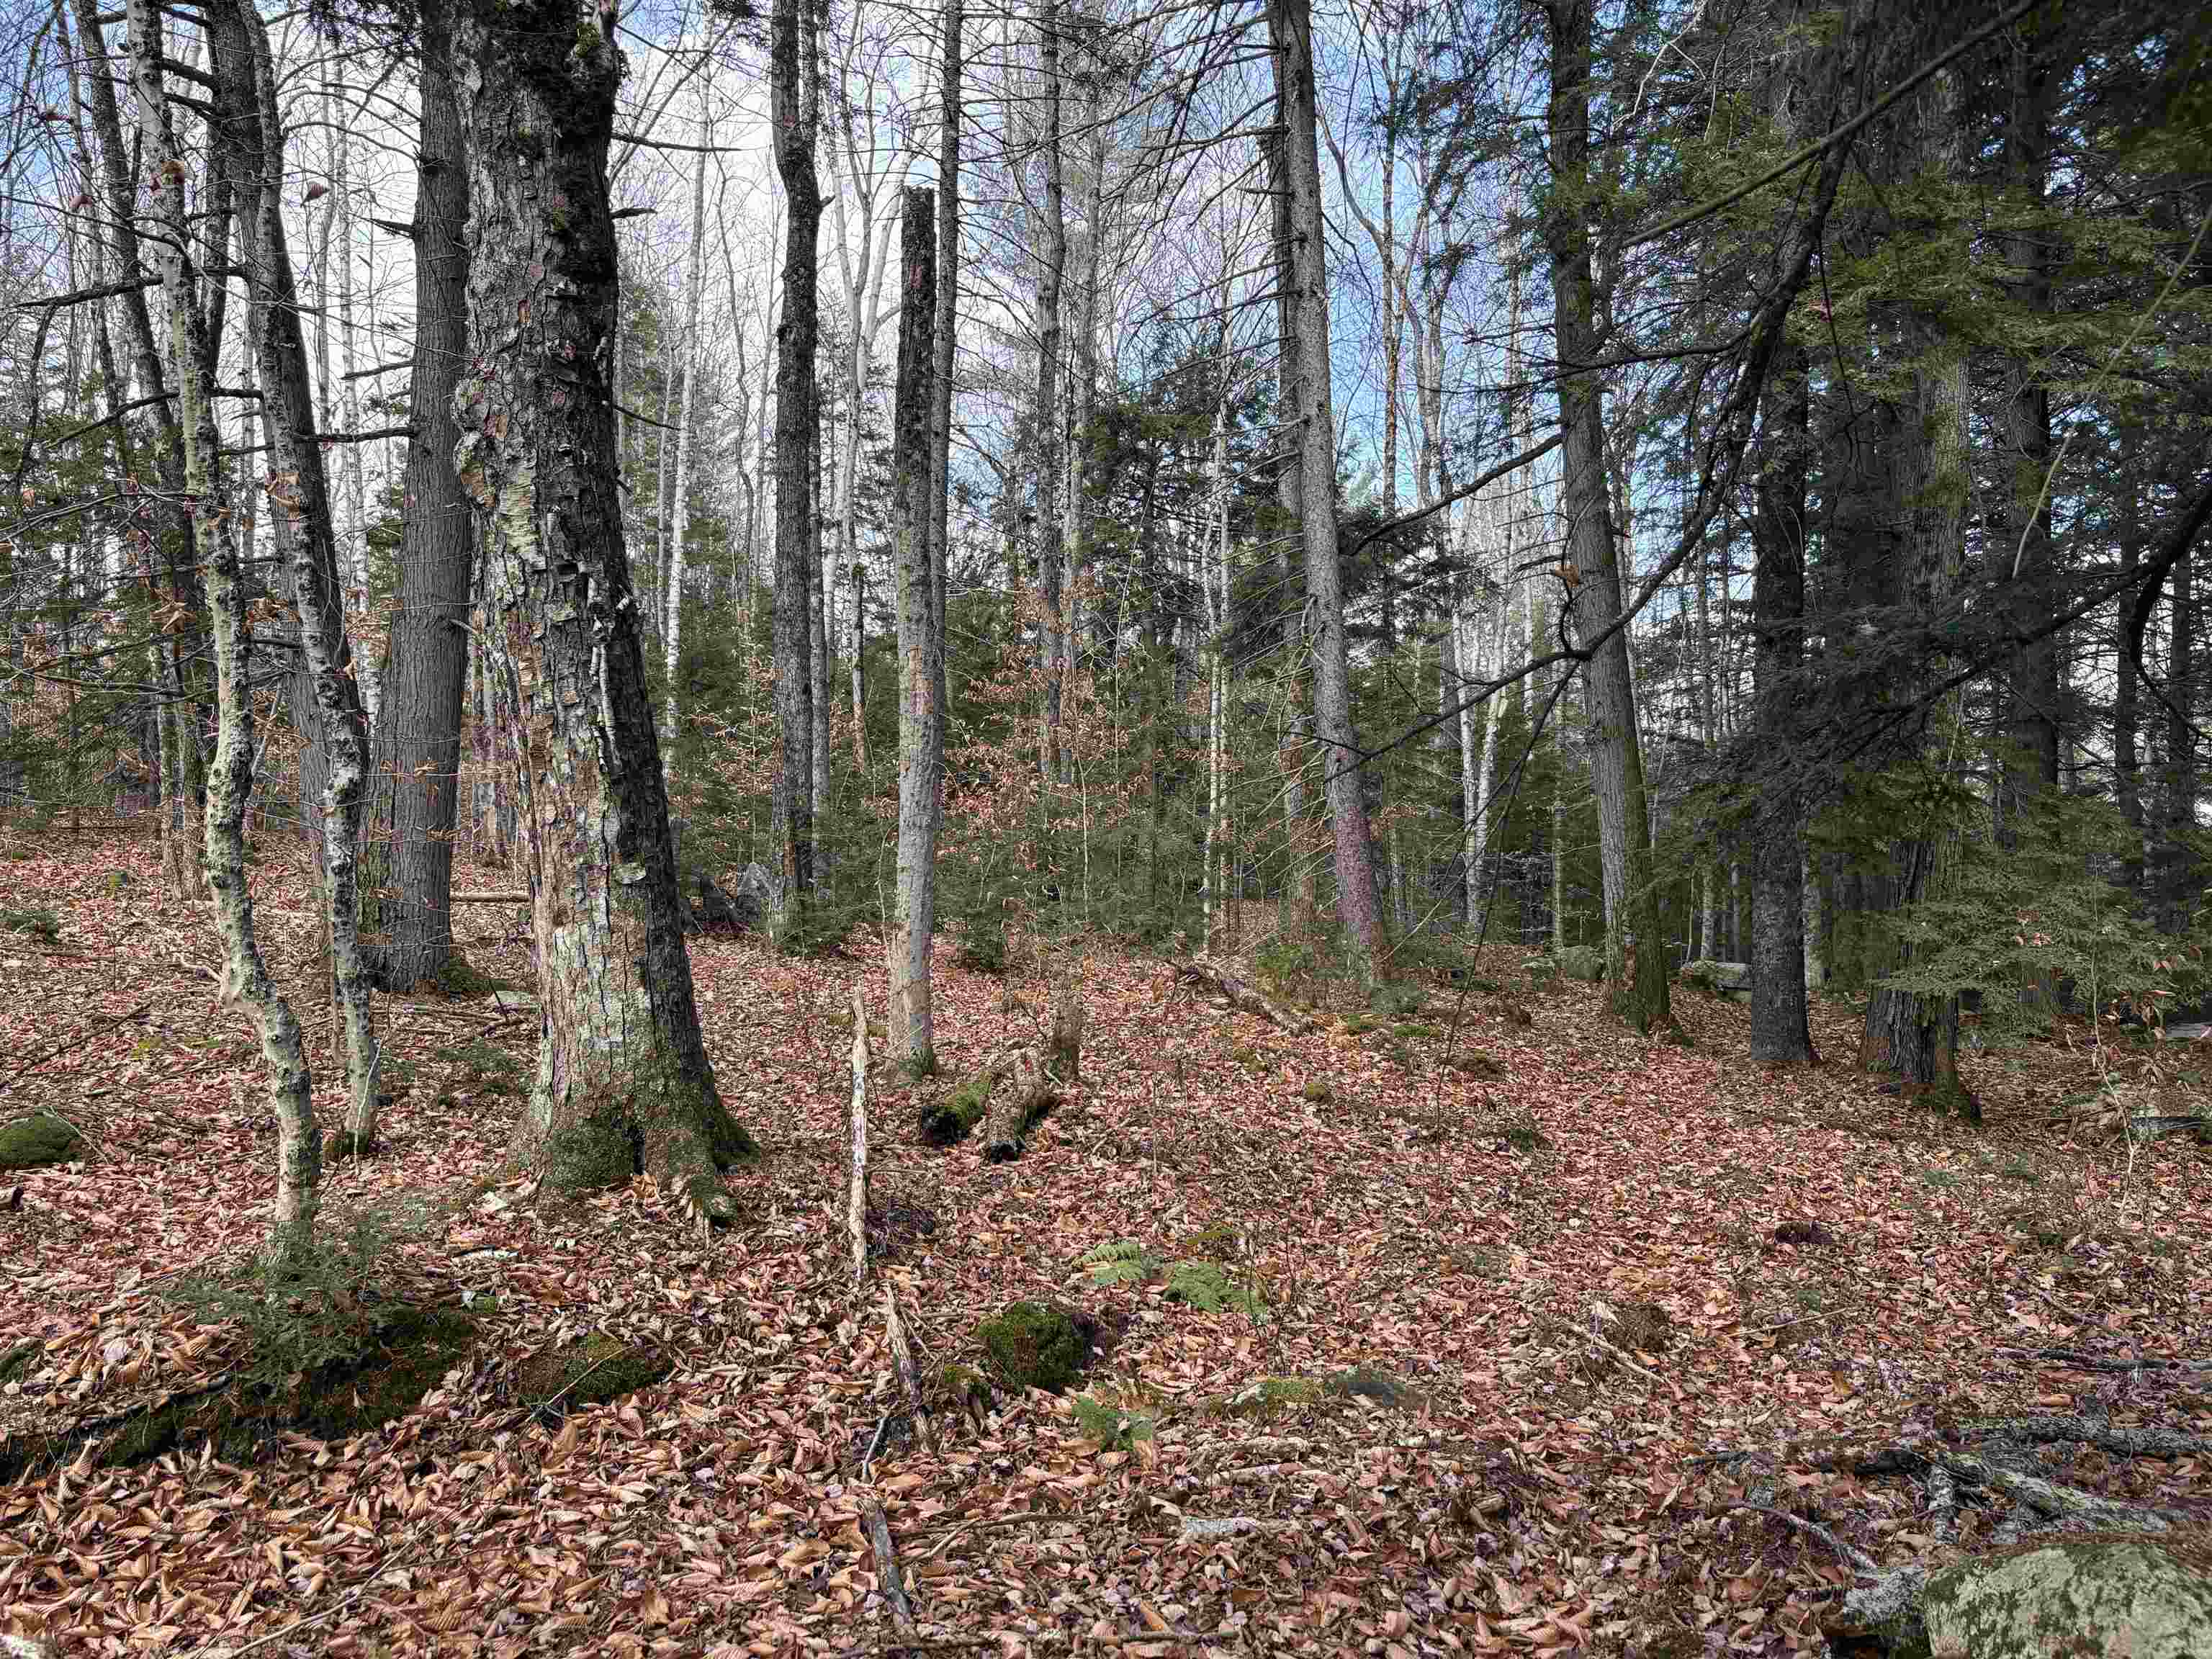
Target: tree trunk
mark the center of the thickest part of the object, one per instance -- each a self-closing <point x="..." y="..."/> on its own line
<point x="948" y="308"/>
<point x="251" y="144"/>
<point x="792" y="102"/>
<point x="1617" y="758"/>
<point x="623" y="1081"/>
<point x="1780" y="1034"/>
<point x="191" y="364"/>
<point x="672" y="627"/>
<point x="1051" y="464"/>
<point x="413" y="795"/>
<point x="1290" y="28"/>
<point x="920" y="643"/>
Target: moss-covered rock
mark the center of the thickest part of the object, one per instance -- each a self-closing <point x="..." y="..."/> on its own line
<point x="16" y="1360"/>
<point x="2147" y="1596"/>
<point x="1582" y="962"/>
<point x="1038" y="1345"/>
<point x="32" y="1142"/>
<point x="950" y="1118"/>
<point x="556" y="1380"/>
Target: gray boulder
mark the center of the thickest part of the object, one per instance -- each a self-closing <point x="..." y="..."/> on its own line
<point x="1583" y="962"/>
<point x="1722" y="979"/>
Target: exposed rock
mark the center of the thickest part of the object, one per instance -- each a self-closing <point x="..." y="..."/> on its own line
<point x="2146" y="1597"/>
<point x="1583" y="962"/>
<point x="1722" y="979"/>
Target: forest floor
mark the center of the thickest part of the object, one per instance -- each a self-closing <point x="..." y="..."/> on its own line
<point x="1566" y="1277"/>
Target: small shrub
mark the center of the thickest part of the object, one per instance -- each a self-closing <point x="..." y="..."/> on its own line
<point x="1284" y="963"/>
<point x="328" y="1312"/>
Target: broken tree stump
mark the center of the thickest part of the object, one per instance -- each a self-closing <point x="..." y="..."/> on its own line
<point x="856" y="1195"/>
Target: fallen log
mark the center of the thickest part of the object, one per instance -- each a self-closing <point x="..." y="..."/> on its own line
<point x="856" y="1195"/>
<point x="1243" y="997"/>
<point x="888" y="1578"/>
<point x="1015" y="1109"/>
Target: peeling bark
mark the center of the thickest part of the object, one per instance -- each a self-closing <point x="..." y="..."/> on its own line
<point x="246" y="983"/>
<point x="623" y="1081"/>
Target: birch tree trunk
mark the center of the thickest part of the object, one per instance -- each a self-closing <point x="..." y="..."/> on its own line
<point x="941" y="368"/>
<point x="623" y="1082"/>
<point x="920" y="643"/>
<point x="1290" y="28"/>
<point x="245" y="982"/>
<point x="250" y="142"/>
<point x="413" y="795"/>
<point x="672" y="627"/>
<point x="794" y="105"/>
<point x="1617" y="759"/>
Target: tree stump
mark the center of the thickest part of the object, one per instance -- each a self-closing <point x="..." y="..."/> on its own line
<point x="1067" y="1032"/>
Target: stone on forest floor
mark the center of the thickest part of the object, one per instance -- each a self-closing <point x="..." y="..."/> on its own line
<point x="41" y="1139"/>
<point x="1722" y="979"/>
<point x="555" y="1381"/>
<point x="2147" y="1597"/>
<point x="1583" y="962"/>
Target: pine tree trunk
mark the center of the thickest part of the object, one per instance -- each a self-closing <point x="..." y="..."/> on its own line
<point x="920" y="643"/>
<point x="251" y="145"/>
<point x="1290" y="28"/>
<point x="191" y="365"/>
<point x="793" y="107"/>
<point x="1291" y="749"/>
<point x="414" y="794"/>
<point x="1617" y="759"/>
<point x="623" y="1081"/>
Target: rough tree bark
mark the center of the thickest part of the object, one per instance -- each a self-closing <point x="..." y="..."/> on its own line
<point x="1051" y="464"/>
<point x="794" y="107"/>
<point x="920" y="641"/>
<point x="1616" y="755"/>
<point x="249" y="143"/>
<point x="623" y="1081"/>
<point x="415" y="793"/>
<point x="672" y="626"/>
<point x="190" y="366"/>
<point x="948" y="309"/>
<point x="1291" y="749"/>
<point x="1290" y="30"/>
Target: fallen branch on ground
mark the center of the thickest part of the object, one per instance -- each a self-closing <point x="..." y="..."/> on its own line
<point x="1242" y="996"/>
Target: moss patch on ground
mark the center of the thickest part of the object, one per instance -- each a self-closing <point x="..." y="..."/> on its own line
<point x="554" y="1381"/>
<point x="410" y="1352"/>
<point x="32" y="1142"/>
<point x="1036" y="1345"/>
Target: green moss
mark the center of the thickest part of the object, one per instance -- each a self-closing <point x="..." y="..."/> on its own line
<point x="1473" y="1062"/>
<point x="39" y="924"/>
<point x="1034" y="1345"/>
<point x="967" y="1388"/>
<point x="1269" y="1397"/>
<point x="1315" y="1091"/>
<point x="951" y="1118"/>
<point x="32" y="1142"/>
<point x="1366" y="1383"/>
<point x="460" y="979"/>
<point x="17" y="1361"/>
<point x="407" y="1352"/>
<point x="1359" y="1025"/>
<point x="1412" y="1029"/>
<point x="588" y="1156"/>
<point x="554" y="1381"/>
<point x="1111" y="1426"/>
